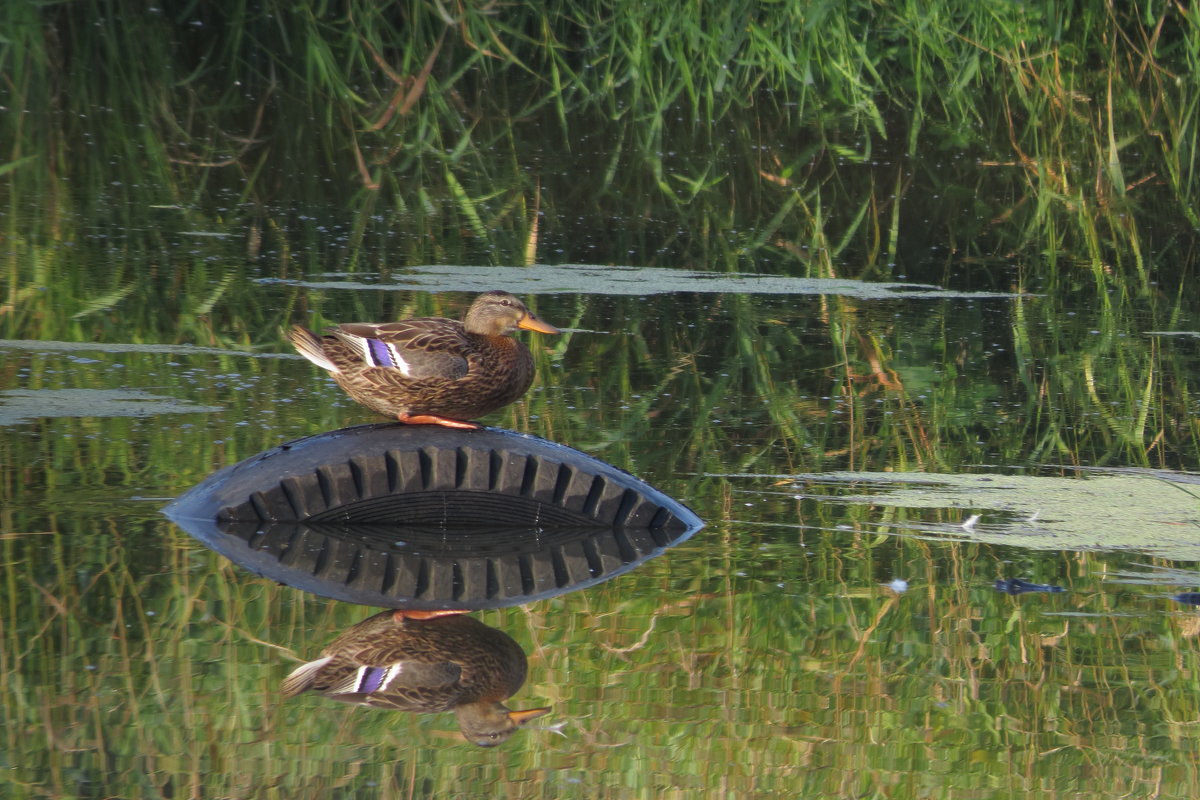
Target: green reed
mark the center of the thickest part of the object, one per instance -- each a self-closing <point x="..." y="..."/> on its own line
<point x="416" y="101"/>
<point x="156" y="673"/>
<point x="999" y="146"/>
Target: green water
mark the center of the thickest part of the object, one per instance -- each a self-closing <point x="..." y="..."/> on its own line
<point x="886" y="381"/>
<point x="765" y="655"/>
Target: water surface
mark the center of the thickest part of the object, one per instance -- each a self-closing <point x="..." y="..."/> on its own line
<point x="869" y="465"/>
<point x="880" y="412"/>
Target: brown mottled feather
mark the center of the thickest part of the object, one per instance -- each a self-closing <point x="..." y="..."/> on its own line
<point x="462" y="370"/>
<point x="445" y="663"/>
<point x="465" y="661"/>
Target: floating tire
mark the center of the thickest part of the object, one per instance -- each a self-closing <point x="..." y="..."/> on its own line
<point x="430" y="517"/>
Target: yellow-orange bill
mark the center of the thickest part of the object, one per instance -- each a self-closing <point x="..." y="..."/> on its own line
<point x="532" y="323"/>
<point x="521" y="717"/>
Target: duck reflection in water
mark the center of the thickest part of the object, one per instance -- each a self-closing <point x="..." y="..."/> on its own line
<point x="424" y="661"/>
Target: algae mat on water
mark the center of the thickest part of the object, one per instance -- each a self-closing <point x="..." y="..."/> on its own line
<point x="1155" y="512"/>
<point x="627" y="280"/>
<point x="22" y="405"/>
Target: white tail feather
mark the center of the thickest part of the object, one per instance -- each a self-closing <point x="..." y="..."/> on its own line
<point x="302" y="676"/>
<point x="308" y="344"/>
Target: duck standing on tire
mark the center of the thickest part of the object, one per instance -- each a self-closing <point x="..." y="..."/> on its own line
<point x="431" y="370"/>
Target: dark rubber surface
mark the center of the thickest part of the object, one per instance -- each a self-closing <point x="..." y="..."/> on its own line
<point x="428" y="517"/>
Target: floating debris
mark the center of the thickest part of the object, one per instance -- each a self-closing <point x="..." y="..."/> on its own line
<point x="1018" y="586"/>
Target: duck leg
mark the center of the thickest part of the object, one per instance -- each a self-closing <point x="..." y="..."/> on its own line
<point x="412" y="613"/>
<point x="434" y="419"/>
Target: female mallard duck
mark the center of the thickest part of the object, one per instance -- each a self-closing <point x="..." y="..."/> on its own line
<point x="424" y="661"/>
<point x="431" y="370"/>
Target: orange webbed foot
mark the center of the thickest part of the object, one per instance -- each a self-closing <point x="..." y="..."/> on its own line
<point x="413" y="613"/>
<point x="434" y="419"/>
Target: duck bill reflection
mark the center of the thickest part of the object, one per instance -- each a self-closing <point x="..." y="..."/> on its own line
<point x="521" y="717"/>
<point x="424" y="662"/>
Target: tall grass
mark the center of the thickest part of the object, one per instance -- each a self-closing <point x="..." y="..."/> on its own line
<point x="155" y="672"/>
<point x="157" y="164"/>
<point x="751" y="117"/>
